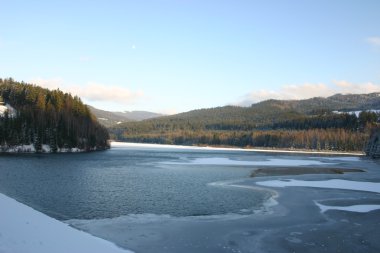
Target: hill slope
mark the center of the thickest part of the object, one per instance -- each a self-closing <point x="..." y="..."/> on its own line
<point x="47" y="120"/>
<point x="263" y="124"/>
<point x="109" y="119"/>
<point x="338" y="102"/>
<point x="261" y="115"/>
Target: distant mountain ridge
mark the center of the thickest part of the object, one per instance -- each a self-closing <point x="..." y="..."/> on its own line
<point x="257" y="114"/>
<point x="270" y="111"/>
<point x="108" y="118"/>
<point x="337" y="102"/>
<point x="307" y="124"/>
<point x="262" y="113"/>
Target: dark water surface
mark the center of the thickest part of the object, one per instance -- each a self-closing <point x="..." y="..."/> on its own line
<point x="126" y="181"/>
<point x="156" y="199"/>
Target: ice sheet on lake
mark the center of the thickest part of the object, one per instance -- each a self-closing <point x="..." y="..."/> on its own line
<point x="23" y="229"/>
<point x="269" y="162"/>
<point x="115" y="144"/>
<point x="344" y="159"/>
<point x="353" y="208"/>
<point x="332" y="184"/>
<point x="147" y="218"/>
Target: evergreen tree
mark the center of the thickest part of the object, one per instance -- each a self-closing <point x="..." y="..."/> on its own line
<point x="48" y="117"/>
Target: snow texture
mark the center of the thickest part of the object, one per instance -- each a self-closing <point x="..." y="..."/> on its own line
<point x="353" y="208"/>
<point x="3" y="109"/>
<point x="7" y="107"/>
<point x="269" y="162"/>
<point x="31" y="149"/>
<point x="332" y="184"/>
<point x="115" y="144"/>
<point x="23" y="229"/>
<point x="356" y="112"/>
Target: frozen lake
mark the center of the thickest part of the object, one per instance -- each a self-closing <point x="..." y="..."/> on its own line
<point x="140" y="196"/>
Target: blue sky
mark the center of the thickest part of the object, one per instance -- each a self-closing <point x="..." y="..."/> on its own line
<point x="176" y="55"/>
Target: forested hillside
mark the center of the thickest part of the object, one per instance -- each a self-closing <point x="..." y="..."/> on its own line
<point x="42" y="117"/>
<point x="338" y="102"/>
<point x="303" y="124"/>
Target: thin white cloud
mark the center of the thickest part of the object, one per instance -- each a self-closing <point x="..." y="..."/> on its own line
<point x="352" y="88"/>
<point x="100" y="92"/>
<point x="308" y="90"/>
<point x="92" y="91"/>
<point x="51" y="84"/>
<point x="84" y="59"/>
<point x="375" y="41"/>
<point x="170" y="111"/>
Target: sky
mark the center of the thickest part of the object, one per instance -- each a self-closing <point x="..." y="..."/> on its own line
<point x="171" y="56"/>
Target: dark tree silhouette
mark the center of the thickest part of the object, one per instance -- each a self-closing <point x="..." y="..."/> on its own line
<point x="42" y="116"/>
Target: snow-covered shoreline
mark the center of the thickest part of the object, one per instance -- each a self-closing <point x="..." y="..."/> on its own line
<point x="23" y="229"/>
<point x="45" y="148"/>
<point x="116" y="144"/>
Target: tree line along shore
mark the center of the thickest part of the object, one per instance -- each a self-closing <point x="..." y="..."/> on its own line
<point x="39" y="117"/>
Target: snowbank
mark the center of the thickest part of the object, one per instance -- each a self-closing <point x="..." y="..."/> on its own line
<point x="23" y="229"/>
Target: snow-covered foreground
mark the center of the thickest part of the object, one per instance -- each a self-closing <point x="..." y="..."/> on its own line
<point x="23" y="229"/>
<point x="115" y="144"/>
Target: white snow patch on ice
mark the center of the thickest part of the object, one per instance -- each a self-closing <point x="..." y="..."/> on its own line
<point x="23" y="229"/>
<point x="148" y="218"/>
<point x="269" y="162"/>
<point x="332" y="184"/>
<point x="344" y="159"/>
<point x="353" y="208"/>
<point x="115" y="144"/>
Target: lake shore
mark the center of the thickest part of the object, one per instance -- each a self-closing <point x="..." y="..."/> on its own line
<point x="116" y="144"/>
